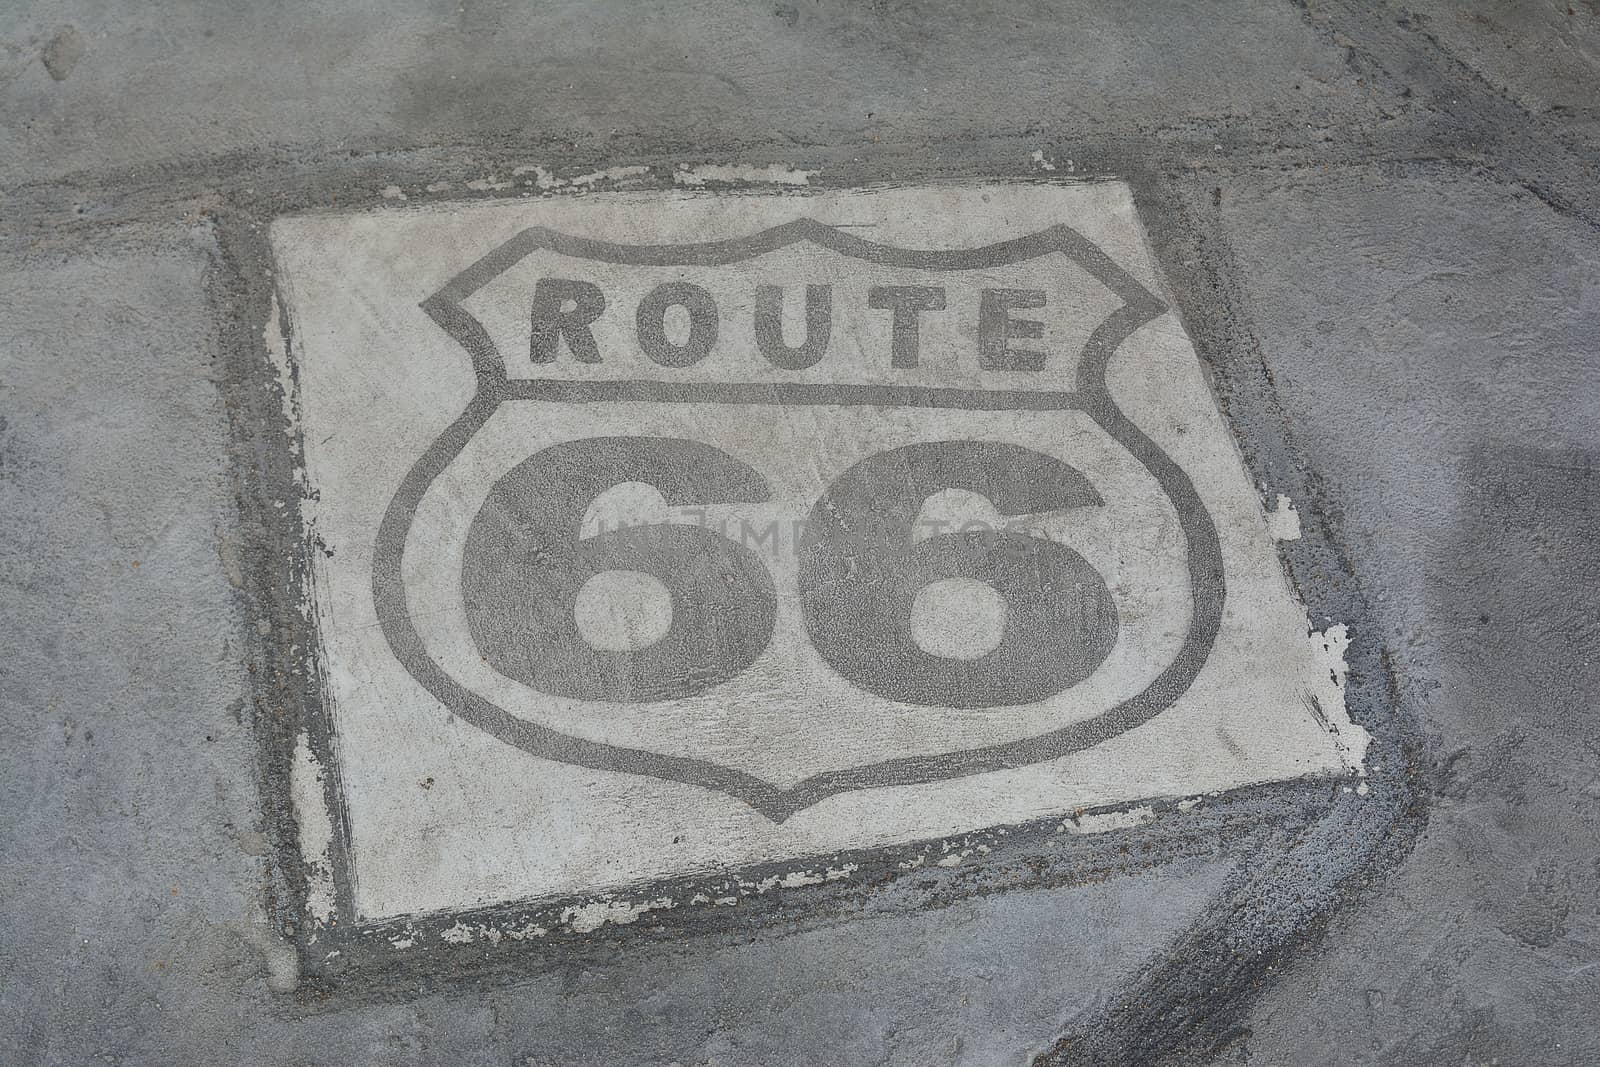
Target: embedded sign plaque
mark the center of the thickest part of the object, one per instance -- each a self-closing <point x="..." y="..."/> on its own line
<point x="660" y="534"/>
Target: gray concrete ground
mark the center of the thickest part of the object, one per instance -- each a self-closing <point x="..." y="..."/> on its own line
<point x="1380" y="225"/>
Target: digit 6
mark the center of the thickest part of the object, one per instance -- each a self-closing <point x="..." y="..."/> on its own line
<point x="860" y="571"/>
<point x="525" y="564"/>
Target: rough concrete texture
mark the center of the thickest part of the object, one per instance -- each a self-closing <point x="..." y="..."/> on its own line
<point x="1471" y="497"/>
<point x="1381" y="220"/>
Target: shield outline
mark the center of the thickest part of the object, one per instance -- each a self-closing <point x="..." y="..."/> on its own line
<point x="1140" y="306"/>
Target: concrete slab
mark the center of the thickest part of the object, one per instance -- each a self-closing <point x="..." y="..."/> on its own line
<point x="773" y="714"/>
<point x="132" y="818"/>
<point x="1542" y="54"/>
<point x="147" y="88"/>
<point x="1447" y="374"/>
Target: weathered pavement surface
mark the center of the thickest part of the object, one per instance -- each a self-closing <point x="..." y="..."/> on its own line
<point x="1377" y="226"/>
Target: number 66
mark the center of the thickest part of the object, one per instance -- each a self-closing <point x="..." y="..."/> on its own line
<point x="860" y="569"/>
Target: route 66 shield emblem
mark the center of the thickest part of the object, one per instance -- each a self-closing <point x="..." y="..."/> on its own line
<point x="682" y="532"/>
